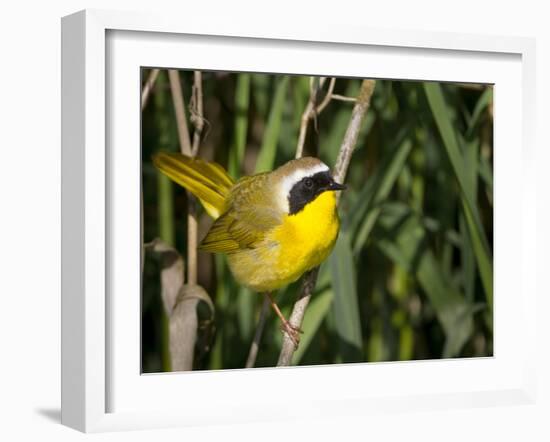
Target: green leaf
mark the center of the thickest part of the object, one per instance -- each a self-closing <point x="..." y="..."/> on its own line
<point x="331" y="139"/>
<point x="480" y="245"/>
<point x="484" y="100"/>
<point x="165" y="198"/>
<point x="268" y="150"/>
<point x="345" y="305"/>
<point x="260" y="86"/>
<point x="245" y="312"/>
<point x="317" y="310"/>
<point x="406" y="343"/>
<point x="363" y="200"/>
<point x="486" y="174"/>
<point x="405" y="243"/>
<point x="483" y="257"/>
<point x="300" y="97"/>
<point x="245" y="298"/>
<point x="471" y="153"/>
<point x="368" y="208"/>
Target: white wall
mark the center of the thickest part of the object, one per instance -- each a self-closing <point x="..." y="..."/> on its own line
<point x="30" y="216"/>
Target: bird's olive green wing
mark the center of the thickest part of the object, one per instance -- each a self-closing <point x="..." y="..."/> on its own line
<point x="252" y="213"/>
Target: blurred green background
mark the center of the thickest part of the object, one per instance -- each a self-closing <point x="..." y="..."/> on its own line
<point x="411" y="274"/>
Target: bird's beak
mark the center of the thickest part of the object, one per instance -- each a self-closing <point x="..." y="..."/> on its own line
<point x="336" y="186"/>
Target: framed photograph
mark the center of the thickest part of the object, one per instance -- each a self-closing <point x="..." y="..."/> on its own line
<point x="266" y="224"/>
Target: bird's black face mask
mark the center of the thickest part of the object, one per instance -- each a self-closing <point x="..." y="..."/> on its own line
<point x="309" y="188"/>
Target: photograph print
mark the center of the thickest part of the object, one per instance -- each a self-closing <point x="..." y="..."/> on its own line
<point x="295" y="220"/>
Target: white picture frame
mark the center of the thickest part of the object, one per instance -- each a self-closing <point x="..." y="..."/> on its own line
<point x="93" y="364"/>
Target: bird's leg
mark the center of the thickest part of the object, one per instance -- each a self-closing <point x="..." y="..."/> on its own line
<point x="292" y="331"/>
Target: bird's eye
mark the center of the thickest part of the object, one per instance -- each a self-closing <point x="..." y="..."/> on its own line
<point x="308" y="182"/>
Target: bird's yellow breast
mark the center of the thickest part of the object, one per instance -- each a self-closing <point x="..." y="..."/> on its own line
<point x="307" y="237"/>
<point x="301" y="242"/>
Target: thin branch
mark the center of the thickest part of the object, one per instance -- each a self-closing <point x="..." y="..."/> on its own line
<point x="184" y="320"/>
<point x="148" y="87"/>
<point x="327" y="98"/>
<point x="346" y="149"/>
<point x="253" y="353"/>
<point x="196" y="108"/>
<point x="192" y="239"/>
<point x="185" y="146"/>
<point x="179" y="108"/>
<point x="309" y="113"/>
<point x="312" y="111"/>
<point x="343" y="98"/>
<point x="352" y="133"/>
<point x="297" y="316"/>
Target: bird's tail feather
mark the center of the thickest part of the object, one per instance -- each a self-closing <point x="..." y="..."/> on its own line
<point x="208" y="181"/>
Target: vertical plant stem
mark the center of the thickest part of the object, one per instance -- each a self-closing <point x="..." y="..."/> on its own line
<point x="148" y="86"/>
<point x="179" y="109"/>
<point x="165" y="210"/>
<point x="197" y="113"/>
<point x="197" y="119"/>
<point x="297" y="315"/>
<point x="187" y="340"/>
<point x="185" y="146"/>
<point x="184" y="320"/>
<point x="192" y="242"/>
<point x="166" y="234"/>
<point x="253" y="353"/>
<point x="354" y="126"/>
<point x="346" y="150"/>
<point x="145" y="93"/>
<point x="310" y="111"/>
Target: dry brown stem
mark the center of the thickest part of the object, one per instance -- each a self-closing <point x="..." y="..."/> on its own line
<point x="346" y="150"/>
<point x="343" y="98"/>
<point x="197" y="112"/>
<point x="148" y="86"/>
<point x="312" y="110"/>
<point x="309" y="113"/>
<point x="179" y="108"/>
<point x="186" y="149"/>
<point x="184" y="321"/>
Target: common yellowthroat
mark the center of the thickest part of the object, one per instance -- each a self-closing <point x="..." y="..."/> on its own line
<point x="273" y="226"/>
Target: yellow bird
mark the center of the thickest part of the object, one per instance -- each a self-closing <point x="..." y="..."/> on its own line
<point x="273" y="226"/>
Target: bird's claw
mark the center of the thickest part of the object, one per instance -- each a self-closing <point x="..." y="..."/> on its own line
<point x="292" y="332"/>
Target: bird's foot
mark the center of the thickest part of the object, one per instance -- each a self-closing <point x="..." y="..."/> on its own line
<point x="292" y="332"/>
